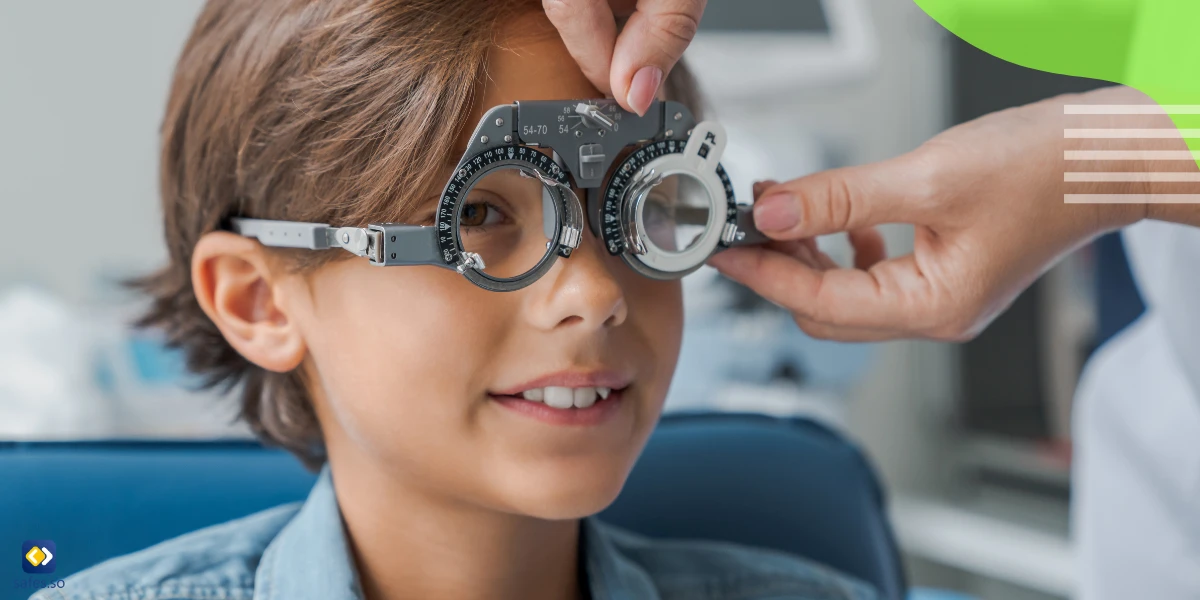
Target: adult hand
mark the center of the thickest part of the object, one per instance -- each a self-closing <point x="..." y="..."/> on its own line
<point x="987" y="202"/>
<point x="629" y="67"/>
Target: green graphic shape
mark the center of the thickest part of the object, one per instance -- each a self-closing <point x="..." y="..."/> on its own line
<point x="1150" y="45"/>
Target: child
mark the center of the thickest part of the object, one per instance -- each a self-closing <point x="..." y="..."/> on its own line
<point x="405" y="385"/>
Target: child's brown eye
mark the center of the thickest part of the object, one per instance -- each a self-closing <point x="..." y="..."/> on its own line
<point x="473" y="215"/>
<point x="480" y="214"/>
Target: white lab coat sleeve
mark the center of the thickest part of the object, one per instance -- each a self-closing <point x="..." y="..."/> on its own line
<point x="1165" y="260"/>
<point x="1136" y="471"/>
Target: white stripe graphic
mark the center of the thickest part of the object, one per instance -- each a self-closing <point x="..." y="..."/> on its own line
<point x="1132" y="198"/>
<point x="1131" y="155"/>
<point x="1131" y="109"/>
<point x="1131" y="134"/>
<point x="1098" y="177"/>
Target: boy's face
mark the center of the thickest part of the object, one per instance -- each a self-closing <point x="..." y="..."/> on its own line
<point x="419" y="374"/>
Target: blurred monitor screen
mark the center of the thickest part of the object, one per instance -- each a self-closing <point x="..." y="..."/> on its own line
<point x="781" y="16"/>
<point x="747" y="50"/>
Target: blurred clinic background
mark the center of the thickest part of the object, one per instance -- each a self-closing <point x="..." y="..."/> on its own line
<point x="972" y="440"/>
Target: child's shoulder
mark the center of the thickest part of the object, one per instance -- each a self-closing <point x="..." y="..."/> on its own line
<point x="214" y="562"/>
<point x="711" y="569"/>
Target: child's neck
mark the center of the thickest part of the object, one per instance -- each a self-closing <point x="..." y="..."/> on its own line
<point x="414" y="544"/>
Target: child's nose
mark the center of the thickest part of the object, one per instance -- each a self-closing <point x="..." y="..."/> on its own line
<point x="581" y="291"/>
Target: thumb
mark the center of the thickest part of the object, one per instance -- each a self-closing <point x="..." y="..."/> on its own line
<point x="650" y="44"/>
<point x="589" y="30"/>
<point x="843" y="199"/>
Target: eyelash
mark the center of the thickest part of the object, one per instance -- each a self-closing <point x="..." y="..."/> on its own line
<point x="490" y="207"/>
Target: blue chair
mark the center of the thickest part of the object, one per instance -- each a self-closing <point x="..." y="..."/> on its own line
<point x="788" y="484"/>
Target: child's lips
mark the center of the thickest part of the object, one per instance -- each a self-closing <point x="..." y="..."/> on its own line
<point x="574" y="380"/>
<point x="591" y="414"/>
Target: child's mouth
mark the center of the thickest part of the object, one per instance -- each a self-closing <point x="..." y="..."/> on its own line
<point x="565" y="397"/>
<point x="563" y="405"/>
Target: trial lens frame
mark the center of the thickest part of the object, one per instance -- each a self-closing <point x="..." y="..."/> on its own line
<point x="586" y="138"/>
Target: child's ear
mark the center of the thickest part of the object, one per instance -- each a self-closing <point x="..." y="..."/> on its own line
<point x="237" y="289"/>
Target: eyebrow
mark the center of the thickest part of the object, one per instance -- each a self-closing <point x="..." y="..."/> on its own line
<point x="424" y="206"/>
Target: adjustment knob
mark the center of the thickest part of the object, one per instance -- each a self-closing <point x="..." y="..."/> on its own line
<point x="594" y="117"/>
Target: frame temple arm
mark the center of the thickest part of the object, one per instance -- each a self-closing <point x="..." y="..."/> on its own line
<point x="285" y="234"/>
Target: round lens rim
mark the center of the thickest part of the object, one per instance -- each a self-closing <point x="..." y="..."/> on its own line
<point x="474" y="168"/>
<point x="688" y="260"/>
<point x="714" y="216"/>
<point x="664" y="157"/>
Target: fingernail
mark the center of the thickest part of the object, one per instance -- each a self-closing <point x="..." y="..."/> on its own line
<point x="643" y="89"/>
<point x="777" y="212"/>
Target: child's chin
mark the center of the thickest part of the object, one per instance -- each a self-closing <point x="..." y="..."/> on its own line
<point x="562" y="511"/>
<point x="567" y="499"/>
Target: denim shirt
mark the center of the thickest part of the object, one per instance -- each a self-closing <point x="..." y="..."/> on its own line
<point x="300" y="552"/>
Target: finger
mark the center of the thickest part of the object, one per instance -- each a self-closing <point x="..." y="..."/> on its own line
<point x="893" y="191"/>
<point x="589" y="30"/>
<point x="823" y="259"/>
<point x="811" y="256"/>
<point x="891" y="296"/>
<point x="809" y="251"/>
<point x="652" y="41"/>
<point x="823" y="331"/>
<point x="868" y="243"/>
<point x="869" y="247"/>
<point x="804" y="250"/>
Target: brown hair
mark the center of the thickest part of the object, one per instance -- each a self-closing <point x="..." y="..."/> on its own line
<point x="308" y="110"/>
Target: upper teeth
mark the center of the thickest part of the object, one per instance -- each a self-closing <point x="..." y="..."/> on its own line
<point x="565" y="397"/>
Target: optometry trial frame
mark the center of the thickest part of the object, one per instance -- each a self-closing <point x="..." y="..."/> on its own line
<point x="665" y="207"/>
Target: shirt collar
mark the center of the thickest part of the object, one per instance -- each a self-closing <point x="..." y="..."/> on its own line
<point x="310" y="558"/>
<point x="611" y="574"/>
